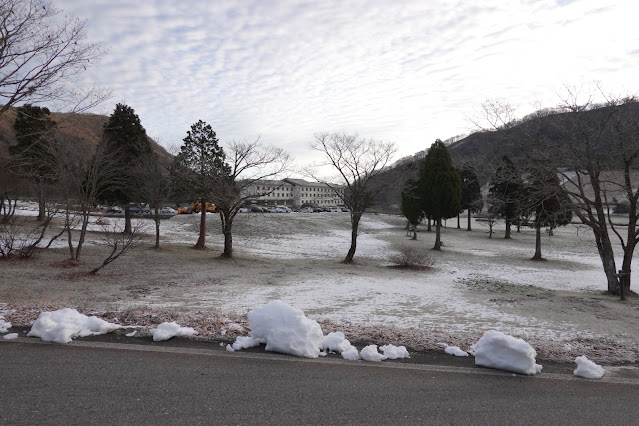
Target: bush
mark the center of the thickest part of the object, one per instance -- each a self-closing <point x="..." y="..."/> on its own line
<point x="411" y="258"/>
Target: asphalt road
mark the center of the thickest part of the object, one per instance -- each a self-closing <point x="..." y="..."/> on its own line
<point x="92" y="382"/>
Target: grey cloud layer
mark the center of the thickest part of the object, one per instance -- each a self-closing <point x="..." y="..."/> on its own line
<point x="407" y="71"/>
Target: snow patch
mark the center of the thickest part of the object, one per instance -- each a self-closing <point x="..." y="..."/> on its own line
<point x="369" y="353"/>
<point x="285" y="329"/>
<point x="395" y="352"/>
<point x="10" y="336"/>
<point x="244" y="342"/>
<point x="167" y="330"/>
<point x="335" y="342"/>
<point x="351" y="354"/>
<point x="500" y="351"/>
<point x="4" y="326"/>
<point x="455" y="350"/>
<point x="63" y="325"/>
<point x="588" y="369"/>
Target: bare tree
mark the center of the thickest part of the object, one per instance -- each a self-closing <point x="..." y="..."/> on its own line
<point x="118" y="241"/>
<point x="42" y="54"/>
<point x="249" y="162"/>
<point x="358" y="163"/>
<point x="155" y="187"/>
<point x="601" y="152"/>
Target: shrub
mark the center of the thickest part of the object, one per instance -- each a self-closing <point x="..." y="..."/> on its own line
<point x="411" y="258"/>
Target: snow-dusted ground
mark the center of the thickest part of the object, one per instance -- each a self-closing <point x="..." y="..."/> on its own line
<point x="476" y="283"/>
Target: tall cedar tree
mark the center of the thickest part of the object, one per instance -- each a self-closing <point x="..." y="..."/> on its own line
<point x="546" y="199"/>
<point x="411" y="206"/>
<point x="125" y="136"/>
<point x="440" y="187"/>
<point x="33" y="155"/>
<point x="505" y="192"/>
<point x="198" y="168"/>
<point x="471" y="192"/>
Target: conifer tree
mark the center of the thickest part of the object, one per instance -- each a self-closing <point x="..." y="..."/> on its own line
<point x="197" y="169"/>
<point x="505" y="192"/>
<point x="440" y="187"/>
<point x="126" y="138"/>
<point x="411" y="205"/>
<point x="33" y="155"/>
<point x="471" y="192"/>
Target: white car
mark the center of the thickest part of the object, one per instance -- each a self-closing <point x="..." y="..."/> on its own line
<point x="168" y="210"/>
<point x="334" y="209"/>
<point x="242" y="210"/>
<point x="306" y="210"/>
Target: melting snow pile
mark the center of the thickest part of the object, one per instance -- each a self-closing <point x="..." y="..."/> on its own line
<point x="588" y="369"/>
<point x="11" y="336"/>
<point x="285" y="329"/>
<point x="394" y="352"/>
<point x="63" y="325"/>
<point x="369" y="353"/>
<point x="166" y="330"/>
<point x="4" y="326"/>
<point x="503" y="352"/>
<point x="455" y="350"/>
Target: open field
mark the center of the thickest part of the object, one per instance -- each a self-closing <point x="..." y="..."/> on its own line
<point x="475" y="284"/>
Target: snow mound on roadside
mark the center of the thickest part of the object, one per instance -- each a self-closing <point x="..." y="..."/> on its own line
<point x="395" y="352"/>
<point x="351" y="354"/>
<point x="63" y="325"/>
<point x="369" y="353"/>
<point x="167" y="330"/>
<point x="588" y="369"/>
<point x="285" y="329"/>
<point x="503" y="352"/>
<point x="4" y="326"/>
<point x="455" y="350"/>
<point x="245" y="342"/>
<point x="10" y="336"/>
<point x="336" y="342"/>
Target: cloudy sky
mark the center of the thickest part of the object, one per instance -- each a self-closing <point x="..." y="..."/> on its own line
<point x="395" y="70"/>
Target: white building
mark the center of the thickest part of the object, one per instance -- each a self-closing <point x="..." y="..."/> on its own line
<point x="294" y="192"/>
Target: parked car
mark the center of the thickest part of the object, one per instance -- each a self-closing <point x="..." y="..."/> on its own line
<point x="184" y="210"/>
<point x="168" y="210"/>
<point x="345" y="209"/>
<point x="276" y="210"/>
<point x="114" y="209"/>
<point x="135" y="210"/>
<point x="243" y="210"/>
<point x="333" y="209"/>
<point x="306" y="210"/>
<point x="284" y="209"/>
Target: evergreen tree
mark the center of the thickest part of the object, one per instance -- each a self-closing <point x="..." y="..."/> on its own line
<point x="126" y="138"/>
<point x="197" y="169"/>
<point x="471" y="192"/>
<point x="440" y="187"/>
<point x="505" y="192"/>
<point x="33" y="155"/>
<point x="411" y="205"/>
<point x="546" y="199"/>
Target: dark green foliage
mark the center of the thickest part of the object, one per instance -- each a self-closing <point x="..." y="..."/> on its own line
<point x="471" y="198"/>
<point x="411" y="203"/>
<point x="545" y="197"/>
<point x="33" y="154"/>
<point x="200" y="164"/>
<point x="505" y="192"/>
<point x="440" y="186"/>
<point x="127" y="140"/>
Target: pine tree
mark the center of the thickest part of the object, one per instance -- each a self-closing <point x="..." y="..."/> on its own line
<point x="505" y="192"/>
<point x="411" y="205"/>
<point x="471" y="192"/>
<point x="33" y="155"/>
<point x="124" y="135"/>
<point x="198" y="167"/>
<point x="440" y="187"/>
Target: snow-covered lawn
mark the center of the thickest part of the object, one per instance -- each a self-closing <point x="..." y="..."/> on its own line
<point x="476" y="284"/>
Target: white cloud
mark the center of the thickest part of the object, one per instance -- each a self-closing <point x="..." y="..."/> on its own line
<point x="409" y="71"/>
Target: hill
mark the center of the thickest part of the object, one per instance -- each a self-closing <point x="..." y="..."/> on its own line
<point x="82" y="127"/>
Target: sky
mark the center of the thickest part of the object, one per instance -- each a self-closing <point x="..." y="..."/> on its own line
<point x="406" y="72"/>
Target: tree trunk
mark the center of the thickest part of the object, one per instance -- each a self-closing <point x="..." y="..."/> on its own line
<point x="508" y="223"/>
<point x="414" y="233"/>
<point x="157" y="227"/>
<point x="458" y="226"/>
<point x="227" y="230"/>
<point x="83" y="233"/>
<point x="67" y="225"/>
<point x="429" y="228"/>
<point x="468" y="228"/>
<point x="537" y="255"/>
<point x="355" y="218"/>
<point x="201" y="241"/>
<point x="438" y="242"/>
<point x="127" y="220"/>
<point x="42" y="211"/>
